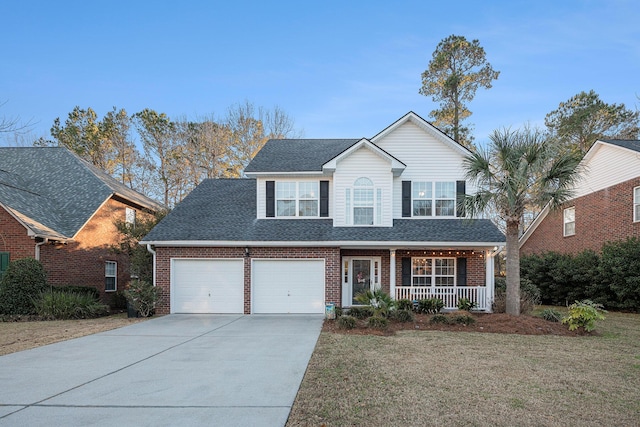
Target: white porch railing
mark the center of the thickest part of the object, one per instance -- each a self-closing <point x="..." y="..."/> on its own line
<point x="448" y="294"/>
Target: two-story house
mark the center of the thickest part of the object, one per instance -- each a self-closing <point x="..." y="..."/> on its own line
<point x="605" y="207"/>
<point x="319" y="221"/>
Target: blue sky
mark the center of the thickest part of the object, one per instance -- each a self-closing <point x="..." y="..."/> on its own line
<point x="338" y="68"/>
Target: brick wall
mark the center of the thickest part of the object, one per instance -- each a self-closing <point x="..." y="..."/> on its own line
<point x="385" y="261"/>
<point x="14" y="238"/>
<point x="164" y="255"/>
<point x="476" y="273"/>
<point x="606" y="215"/>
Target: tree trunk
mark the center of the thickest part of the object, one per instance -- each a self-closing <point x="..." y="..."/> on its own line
<point x="513" y="269"/>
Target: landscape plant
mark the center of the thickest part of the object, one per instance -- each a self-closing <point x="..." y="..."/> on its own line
<point x="430" y="305"/>
<point x="466" y="304"/>
<point x="62" y="305"/>
<point x="378" y="300"/>
<point x="584" y="314"/>
<point x="22" y="283"/>
<point x="551" y="315"/>
<point x="143" y="297"/>
<point x="347" y="322"/>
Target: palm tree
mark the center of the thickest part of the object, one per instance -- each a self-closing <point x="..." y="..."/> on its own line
<point x="519" y="170"/>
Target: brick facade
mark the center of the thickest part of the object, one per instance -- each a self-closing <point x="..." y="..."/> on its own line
<point x="81" y="261"/>
<point x="333" y="266"/>
<point x="476" y="273"/>
<point x="602" y="216"/>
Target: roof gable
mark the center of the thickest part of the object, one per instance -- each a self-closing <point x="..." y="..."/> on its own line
<point x="53" y="192"/>
<point x="396" y="165"/>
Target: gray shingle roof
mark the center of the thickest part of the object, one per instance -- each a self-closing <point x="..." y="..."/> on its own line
<point x="54" y="191"/>
<point x="631" y="144"/>
<point x="224" y="210"/>
<point x="297" y="155"/>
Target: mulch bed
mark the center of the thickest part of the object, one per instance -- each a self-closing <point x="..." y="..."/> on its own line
<point x="500" y="323"/>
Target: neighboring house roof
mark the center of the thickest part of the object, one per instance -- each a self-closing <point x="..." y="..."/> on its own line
<point x="297" y="155"/>
<point x="223" y="212"/>
<point x="606" y="176"/>
<point x="53" y="192"/>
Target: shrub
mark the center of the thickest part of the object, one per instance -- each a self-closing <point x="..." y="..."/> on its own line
<point x="583" y="314"/>
<point x="21" y="284"/>
<point x="380" y="301"/>
<point x="551" y="315"/>
<point x="620" y="272"/>
<point x="62" y="305"/>
<point x="143" y="297"/>
<point x="87" y="290"/>
<point x="466" y="304"/>
<point x="404" y="315"/>
<point x="339" y="311"/>
<point x="378" y="322"/>
<point x="529" y="296"/>
<point x="404" y="304"/>
<point x="464" y="319"/>
<point x="117" y="300"/>
<point x="361" y="312"/>
<point x="346" y="322"/>
<point x="430" y="305"/>
<point x="439" y="318"/>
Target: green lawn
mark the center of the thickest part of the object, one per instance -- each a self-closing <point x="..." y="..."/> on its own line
<point x="432" y="378"/>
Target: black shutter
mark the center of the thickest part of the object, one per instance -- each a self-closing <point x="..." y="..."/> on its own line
<point x="324" y="198"/>
<point x="461" y="272"/>
<point x="461" y="189"/>
<point x="406" y="271"/>
<point x="271" y="199"/>
<point x="406" y="198"/>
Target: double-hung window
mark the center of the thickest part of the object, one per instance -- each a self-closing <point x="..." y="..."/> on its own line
<point x="363" y="202"/>
<point x="110" y="276"/>
<point x="433" y="198"/>
<point x="297" y="198"/>
<point x="636" y="204"/>
<point x="433" y="272"/>
<point x="569" y="221"/>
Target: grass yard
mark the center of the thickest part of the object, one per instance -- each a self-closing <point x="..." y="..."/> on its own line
<point x="436" y="378"/>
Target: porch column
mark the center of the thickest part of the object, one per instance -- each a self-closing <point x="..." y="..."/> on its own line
<point x="392" y="273"/>
<point x="490" y="279"/>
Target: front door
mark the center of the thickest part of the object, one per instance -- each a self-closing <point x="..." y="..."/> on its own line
<point x="360" y="274"/>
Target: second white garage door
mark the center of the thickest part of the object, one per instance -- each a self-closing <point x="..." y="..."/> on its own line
<point x="207" y="286"/>
<point x="288" y="286"/>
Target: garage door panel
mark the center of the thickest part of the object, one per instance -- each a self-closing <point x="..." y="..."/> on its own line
<point x="208" y="286"/>
<point x="288" y="286"/>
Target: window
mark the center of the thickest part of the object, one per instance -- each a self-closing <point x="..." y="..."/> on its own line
<point x="297" y="199"/>
<point x="434" y="198"/>
<point x="636" y="204"/>
<point x="110" y="276"/>
<point x="433" y="272"/>
<point x="569" y="216"/>
<point x="130" y="216"/>
<point x="4" y="262"/>
<point x="363" y="202"/>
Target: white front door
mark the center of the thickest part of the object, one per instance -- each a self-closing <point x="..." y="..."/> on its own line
<point x="359" y="274"/>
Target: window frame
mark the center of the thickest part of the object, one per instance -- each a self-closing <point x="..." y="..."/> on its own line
<point x="433" y="277"/>
<point x="432" y="199"/>
<point x="566" y="222"/>
<point x="130" y="216"/>
<point x="109" y="276"/>
<point x="297" y="198"/>
<point x="372" y="202"/>
<point x="636" y="204"/>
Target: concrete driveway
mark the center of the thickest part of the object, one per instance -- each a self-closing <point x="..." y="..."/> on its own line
<point x="190" y="370"/>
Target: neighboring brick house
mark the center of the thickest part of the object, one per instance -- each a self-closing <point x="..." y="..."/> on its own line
<point x="320" y="220"/>
<point x="61" y="210"/>
<point x="606" y="206"/>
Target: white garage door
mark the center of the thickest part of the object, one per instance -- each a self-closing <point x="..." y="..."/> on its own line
<point x="288" y="286"/>
<point x="207" y="286"/>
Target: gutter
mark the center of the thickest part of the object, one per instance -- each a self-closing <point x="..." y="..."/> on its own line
<point x="37" y="254"/>
<point x="153" y="252"/>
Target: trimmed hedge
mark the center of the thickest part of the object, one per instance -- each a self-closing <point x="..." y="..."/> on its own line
<point x="21" y="284"/>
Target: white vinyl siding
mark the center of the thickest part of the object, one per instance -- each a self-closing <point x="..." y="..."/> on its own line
<point x="261" y="202"/>
<point x="428" y="159"/>
<point x="609" y="166"/>
<point x="359" y="164"/>
<point x="569" y="221"/>
<point x="297" y="198"/>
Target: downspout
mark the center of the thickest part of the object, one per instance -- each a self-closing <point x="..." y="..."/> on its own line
<point x="154" y="262"/>
<point x="37" y="254"/>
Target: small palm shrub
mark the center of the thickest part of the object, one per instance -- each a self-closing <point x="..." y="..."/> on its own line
<point x="551" y="315"/>
<point x="61" y="305"/>
<point x="466" y="304"/>
<point x="143" y="297"/>
<point x="378" y="322"/>
<point x="439" y="318"/>
<point x="583" y="314"/>
<point x="21" y="284"/>
<point x="430" y="305"/>
<point x="404" y="304"/>
<point x="89" y="290"/>
<point x="403" y="315"/>
<point x="380" y="301"/>
<point x="346" y="322"/>
<point x="361" y="312"/>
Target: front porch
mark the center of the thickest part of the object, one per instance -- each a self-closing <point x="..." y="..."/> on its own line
<point x="448" y="294"/>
